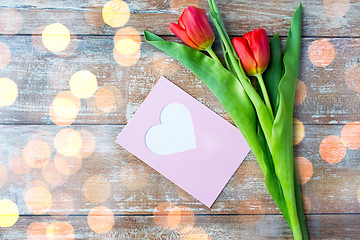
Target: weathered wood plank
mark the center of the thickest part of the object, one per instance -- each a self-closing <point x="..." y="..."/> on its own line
<point x="321" y="18"/>
<point x="40" y="76"/>
<point x="134" y="188"/>
<point x="215" y="227"/>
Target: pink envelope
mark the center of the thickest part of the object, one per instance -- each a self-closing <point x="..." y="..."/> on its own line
<point x="185" y="141"/>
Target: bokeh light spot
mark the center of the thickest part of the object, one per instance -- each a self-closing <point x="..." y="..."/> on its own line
<point x="164" y="64"/>
<point x="127" y="43"/>
<point x="101" y="219"/>
<point x="3" y="175"/>
<point x="88" y="143"/>
<point x="116" y="13"/>
<point x="83" y="84"/>
<point x="126" y="60"/>
<point x="306" y="203"/>
<point x="181" y="219"/>
<point x="255" y="208"/>
<point x="68" y="165"/>
<point x="56" y="37"/>
<point x="9" y="213"/>
<point x="352" y="77"/>
<point x="336" y="8"/>
<point x="299" y="131"/>
<point x="127" y="46"/>
<point x="5" y="55"/>
<point x="127" y="33"/>
<point x="96" y="189"/>
<point x="37" y="153"/>
<point x="350" y="134"/>
<point x="8" y="92"/>
<point x="301" y="92"/>
<point x="305" y="169"/>
<point x="134" y="176"/>
<point x="62" y="205"/>
<point x="195" y="234"/>
<point x="161" y="214"/>
<point x="174" y="217"/>
<point x="332" y="149"/>
<point x="37" y="231"/>
<point x="52" y="176"/>
<point x="17" y="163"/>
<point x="321" y="52"/>
<point x="60" y="231"/>
<point x="70" y="49"/>
<point x="64" y="109"/>
<point x="68" y="142"/>
<point x="38" y="200"/>
<point x="10" y="21"/>
<point x="108" y="98"/>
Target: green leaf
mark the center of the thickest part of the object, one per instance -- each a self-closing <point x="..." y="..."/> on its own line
<point x="271" y="180"/>
<point x="235" y="66"/>
<point x="264" y="158"/>
<point x="273" y="73"/>
<point x="282" y="138"/>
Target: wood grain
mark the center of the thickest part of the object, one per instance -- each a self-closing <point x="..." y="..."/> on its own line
<point x="132" y="190"/>
<point x="338" y="193"/>
<point x="217" y="227"/>
<point x="329" y="100"/>
<point x="239" y="16"/>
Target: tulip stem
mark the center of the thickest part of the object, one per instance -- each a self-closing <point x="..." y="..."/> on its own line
<point x="213" y="55"/>
<point x="265" y="94"/>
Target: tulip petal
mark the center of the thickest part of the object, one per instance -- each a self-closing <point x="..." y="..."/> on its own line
<point x="197" y="27"/>
<point x="259" y="46"/>
<point x="246" y="57"/>
<point x="180" y="33"/>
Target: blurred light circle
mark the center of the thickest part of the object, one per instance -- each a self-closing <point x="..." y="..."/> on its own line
<point x="101" y="219"/>
<point x="5" y="55"/>
<point x="56" y="37"/>
<point x="83" y="84"/>
<point x="127" y="46"/>
<point x="38" y="200"/>
<point x="68" y="142"/>
<point x="116" y="13"/>
<point x="9" y="213"/>
<point x="8" y="92"/>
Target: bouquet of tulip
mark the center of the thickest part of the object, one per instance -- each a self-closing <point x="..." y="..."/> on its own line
<point x="264" y="116"/>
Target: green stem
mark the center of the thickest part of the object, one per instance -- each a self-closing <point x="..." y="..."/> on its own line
<point x="265" y="94"/>
<point x="212" y="54"/>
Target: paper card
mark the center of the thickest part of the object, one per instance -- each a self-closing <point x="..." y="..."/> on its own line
<point x="185" y="141"/>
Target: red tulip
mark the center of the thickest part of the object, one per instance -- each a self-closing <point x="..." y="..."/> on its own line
<point x="254" y="51"/>
<point x="194" y="29"/>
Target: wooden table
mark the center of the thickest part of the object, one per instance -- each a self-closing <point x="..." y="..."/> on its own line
<point x="98" y="190"/>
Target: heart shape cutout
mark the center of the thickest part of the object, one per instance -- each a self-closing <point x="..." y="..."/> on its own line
<point x="174" y="134"/>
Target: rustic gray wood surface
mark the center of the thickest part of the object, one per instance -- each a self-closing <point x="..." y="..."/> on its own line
<point x="56" y="197"/>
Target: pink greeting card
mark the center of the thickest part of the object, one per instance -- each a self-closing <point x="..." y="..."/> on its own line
<point x="185" y="141"/>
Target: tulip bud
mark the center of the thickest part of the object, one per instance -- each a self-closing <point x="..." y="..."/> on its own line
<point x="194" y="29"/>
<point x="254" y="51"/>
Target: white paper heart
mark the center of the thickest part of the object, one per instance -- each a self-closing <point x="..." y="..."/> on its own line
<point x="174" y="134"/>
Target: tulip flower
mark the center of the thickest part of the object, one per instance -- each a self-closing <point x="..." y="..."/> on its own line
<point x="254" y="52"/>
<point x="194" y="30"/>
